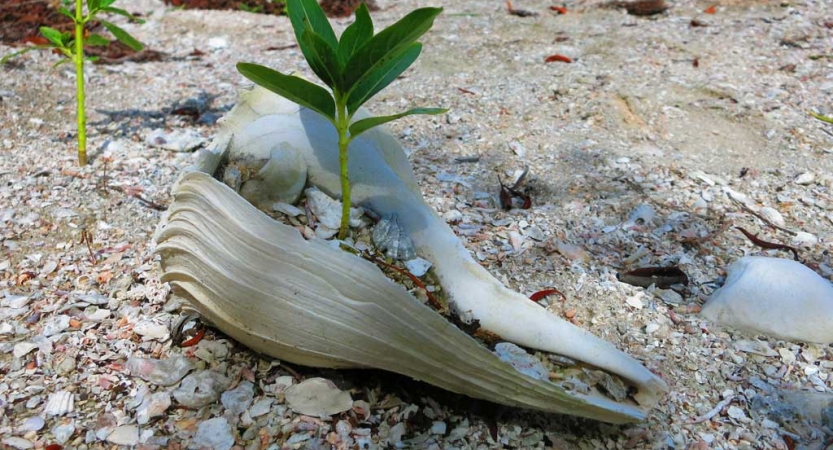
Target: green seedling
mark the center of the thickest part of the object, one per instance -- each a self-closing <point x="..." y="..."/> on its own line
<point x="355" y="68"/>
<point x="70" y="45"/>
<point x="821" y="117"/>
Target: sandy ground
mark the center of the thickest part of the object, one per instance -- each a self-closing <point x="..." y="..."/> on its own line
<point x="652" y="111"/>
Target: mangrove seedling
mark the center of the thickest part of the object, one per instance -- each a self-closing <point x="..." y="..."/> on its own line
<point x="70" y="45"/>
<point x="355" y="68"/>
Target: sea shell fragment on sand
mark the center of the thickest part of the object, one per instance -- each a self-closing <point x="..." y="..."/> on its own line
<point x="777" y="297"/>
<point x="306" y="302"/>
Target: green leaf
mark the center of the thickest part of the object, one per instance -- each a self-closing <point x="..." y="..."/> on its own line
<point x="360" y="126"/>
<point x="356" y="35"/>
<point x="67" y="13"/>
<point x="6" y="58"/>
<point x="93" y="6"/>
<point x="393" y="38"/>
<point x="93" y="58"/>
<point x="123" y="36"/>
<point x="121" y="12"/>
<point x="54" y="36"/>
<point x="97" y="39"/>
<point x="105" y="3"/>
<point x="321" y="57"/>
<point x="292" y="88"/>
<point x="381" y="74"/>
<point x="304" y="13"/>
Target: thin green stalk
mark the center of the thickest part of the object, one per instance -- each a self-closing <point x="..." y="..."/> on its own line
<point x="822" y="118"/>
<point x="79" y="79"/>
<point x="342" y="124"/>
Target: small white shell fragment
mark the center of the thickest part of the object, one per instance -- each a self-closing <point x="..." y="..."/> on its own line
<point x="286" y="208"/>
<point x="804" y="239"/>
<point x="200" y="388"/>
<point x="635" y="301"/>
<point x="55" y="325"/>
<point x="63" y="432"/>
<point x="318" y="397"/>
<point x="15" y="301"/>
<point x="438" y="427"/>
<point x="153" y="406"/>
<point x="124" y="435"/>
<point x="165" y="372"/>
<point x="518" y="149"/>
<point x="388" y="236"/>
<point x="18" y="443"/>
<point x="215" y="434"/>
<point x="522" y="361"/>
<point x="328" y="210"/>
<point x="261" y="407"/>
<point x="805" y="178"/>
<point x="418" y="266"/>
<point x="238" y="399"/>
<point x="652" y="328"/>
<point x="22" y="348"/>
<point x="176" y="141"/>
<point x="452" y="216"/>
<point x="771" y="214"/>
<point x="736" y="413"/>
<point x="151" y="330"/>
<point x="641" y="215"/>
<point x="776" y="297"/>
<point x="755" y="347"/>
<point x="59" y="403"/>
<point x="34" y="423"/>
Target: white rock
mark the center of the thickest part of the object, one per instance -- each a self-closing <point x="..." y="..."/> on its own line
<point x="635" y="301"/>
<point x="318" y="397"/>
<point x="805" y="178"/>
<point x="777" y="297"/>
<point x="151" y="330"/>
<point x="736" y="413"/>
<point x="217" y="42"/>
<point x="59" y="403"/>
<point x="124" y="435"/>
<point x="214" y="434"/>
<point x="55" y="325"/>
<point x="417" y="266"/>
<point x="652" y="328"/>
<point x="18" y="442"/>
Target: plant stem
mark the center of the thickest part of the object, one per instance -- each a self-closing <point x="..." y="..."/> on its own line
<point x="79" y="79"/>
<point x="342" y="125"/>
<point x="822" y="118"/>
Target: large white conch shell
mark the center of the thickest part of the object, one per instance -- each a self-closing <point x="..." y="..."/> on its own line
<point x="304" y="301"/>
<point x="774" y="296"/>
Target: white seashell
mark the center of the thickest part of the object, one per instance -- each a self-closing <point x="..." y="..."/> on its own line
<point x="771" y="214"/>
<point x="805" y="178"/>
<point x="642" y="215"/>
<point x="317" y="305"/>
<point x="776" y="297"/>
<point x="389" y="237"/>
<point x="280" y="179"/>
<point x="804" y="239"/>
<point x="59" y="403"/>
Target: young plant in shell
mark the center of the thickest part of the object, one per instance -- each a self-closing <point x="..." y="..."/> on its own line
<point x="71" y="47"/>
<point x="355" y="68"/>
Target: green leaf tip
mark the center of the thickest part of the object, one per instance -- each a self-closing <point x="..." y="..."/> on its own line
<point x="360" y="126"/>
<point x="292" y="88"/>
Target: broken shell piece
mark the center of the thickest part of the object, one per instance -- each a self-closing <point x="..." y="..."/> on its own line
<point x="776" y="297"/>
<point x="389" y="237"/>
<point x="318" y="397"/>
<point x="200" y="389"/>
<point x="642" y="215"/>
<point x="320" y="306"/>
<point x="59" y="403"/>
<point x="280" y="179"/>
<point x="328" y="210"/>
